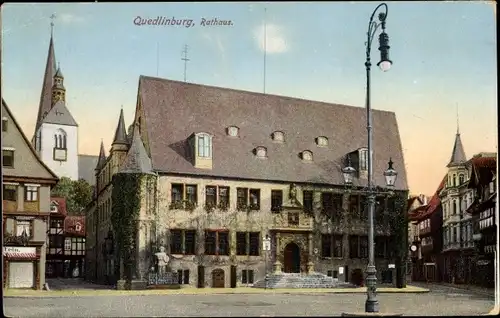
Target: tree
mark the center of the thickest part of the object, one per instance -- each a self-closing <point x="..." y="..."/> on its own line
<point x="78" y="194"/>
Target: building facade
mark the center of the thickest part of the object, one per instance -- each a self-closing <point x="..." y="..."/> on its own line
<point x="56" y="131"/>
<point x="211" y="187"/>
<point x="65" y="241"/>
<point x="483" y="211"/>
<point x="26" y="207"/>
<point x="427" y="219"/>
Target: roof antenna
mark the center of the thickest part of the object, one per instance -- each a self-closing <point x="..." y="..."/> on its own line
<point x="265" y="47"/>
<point x="185" y="59"/>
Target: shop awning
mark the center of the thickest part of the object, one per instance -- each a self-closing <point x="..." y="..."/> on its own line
<point x="26" y="256"/>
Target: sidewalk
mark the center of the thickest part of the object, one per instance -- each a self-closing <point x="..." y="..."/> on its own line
<point x="473" y="288"/>
<point x="20" y="293"/>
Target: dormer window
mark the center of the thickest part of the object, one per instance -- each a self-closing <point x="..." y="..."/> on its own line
<point x="307" y="155"/>
<point x="53" y="207"/>
<point x="204" y="144"/>
<point x="363" y="159"/>
<point x="278" y="136"/>
<point x="233" y="131"/>
<point x="261" y="152"/>
<point x="322" y="141"/>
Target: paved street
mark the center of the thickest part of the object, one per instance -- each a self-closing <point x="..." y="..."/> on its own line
<point x="437" y="302"/>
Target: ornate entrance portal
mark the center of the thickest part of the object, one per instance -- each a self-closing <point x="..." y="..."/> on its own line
<point x="291" y="258"/>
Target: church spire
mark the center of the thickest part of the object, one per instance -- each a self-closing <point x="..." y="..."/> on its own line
<point x="102" y="157"/>
<point x="458" y="155"/>
<point x="48" y="77"/>
<point x="120" y="132"/>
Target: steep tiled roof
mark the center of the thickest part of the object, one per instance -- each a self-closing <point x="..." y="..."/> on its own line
<point x="59" y="115"/>
<point x="74" y="225"/>
<point x="175" y="110"/>
<point x="430" y="208"/>
<point x="137" y="160"/>
<point x="102" y="157"/>
<point x="48" y="77"/>
<point x="482" y="170"/>
<point x="61" y="205"/>
<point x="458" y="154"/>
<point x="27" y="142"/>
<point x="120" y="132"/>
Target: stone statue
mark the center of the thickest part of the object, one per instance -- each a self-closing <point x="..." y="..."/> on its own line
<point x="293" y="192"/>
<point x="162" y="260"/>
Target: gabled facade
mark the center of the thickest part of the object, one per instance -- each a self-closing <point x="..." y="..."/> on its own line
<point x="26" y="207"/>
<point x="483" y="210"/>
<point x="65" y="241"/>
<point x="220" y="174"/>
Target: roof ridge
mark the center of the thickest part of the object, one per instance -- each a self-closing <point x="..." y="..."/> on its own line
<point x="147" y="77"/>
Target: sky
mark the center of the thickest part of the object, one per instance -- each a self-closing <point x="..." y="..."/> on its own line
<point x="443" y="53"/>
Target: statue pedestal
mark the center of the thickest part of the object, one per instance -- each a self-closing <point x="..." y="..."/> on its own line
<point x="277" y="267"/>
<point x="310" y="268"/>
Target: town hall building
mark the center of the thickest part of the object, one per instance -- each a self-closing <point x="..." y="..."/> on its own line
<point x="221" y="170"/>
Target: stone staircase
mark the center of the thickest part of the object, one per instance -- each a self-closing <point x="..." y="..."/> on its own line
<point x="299" y="280"/>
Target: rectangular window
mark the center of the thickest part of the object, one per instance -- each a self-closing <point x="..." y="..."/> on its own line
<point x="354" y="246"/>
<point x="204" y="147"/>
<point x="216" y="243"/>
<point x="241" y="243"/>
<point x="254" y="242"/>
<point x="176" y="241"/>
<point x="224" y="197"/>
<point x="9" y="192"/>
<point x="276" y="200"/>
<point x="8" y="158"/>
<point x="380" y="246"/>
<point x="354" y="205"/>
<point x="5" y="124"/>
<point x="177" y="192"/>
<point x="333" y="274"/>
<point x="326" y="245"/>
<point x="31" y="194"/>
<point x="327" y="203"/>
<point x="308" y="201"/>
<point x="211" y="196"/>
<point x="331" y="245"/>
<point x="363" y="208"/>
<point x="363" y="248"/>
<point x="183" y="276"/>
<point x="254" y="199"/>
<point x="242" y="197"/>
<point x="247" y="276"/>
<point x="338" y="246"/>
<point x="183" y="242"/>
<point x="191" y="194"/>
<point x="363" y="160"/>
<point x="23" y="227"/>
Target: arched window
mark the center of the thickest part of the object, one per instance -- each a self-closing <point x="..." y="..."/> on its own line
<point x="455" y="207"/>
<point x="461" y="179"/>
<point x="454" y="180"/>
<point x="60" y="139"/>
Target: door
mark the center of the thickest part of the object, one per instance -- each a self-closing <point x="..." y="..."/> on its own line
<point x="201" y="276"/>
<point x="218" y="278"/>
<point x="21" y="275"/>
<point x="292" y="258"/>
<point x="233" y="276"/>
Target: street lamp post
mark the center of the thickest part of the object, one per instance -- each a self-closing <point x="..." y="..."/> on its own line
<point x="371" y="304"/>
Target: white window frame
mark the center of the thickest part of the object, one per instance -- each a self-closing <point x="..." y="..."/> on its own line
<point x="31" y="196"/>
<point x="22" y="226"/>
<point x="204" y="145"/>
<point x="363" y="159"/>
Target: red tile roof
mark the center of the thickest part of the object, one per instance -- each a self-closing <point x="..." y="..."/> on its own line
<point x="485" y="162"/>
<point x="61" y="205"/>
<point x="428" y="210"/>
<point x="74" y="225"/>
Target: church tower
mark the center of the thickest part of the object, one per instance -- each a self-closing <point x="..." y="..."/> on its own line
<point x="56" y="131"/>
